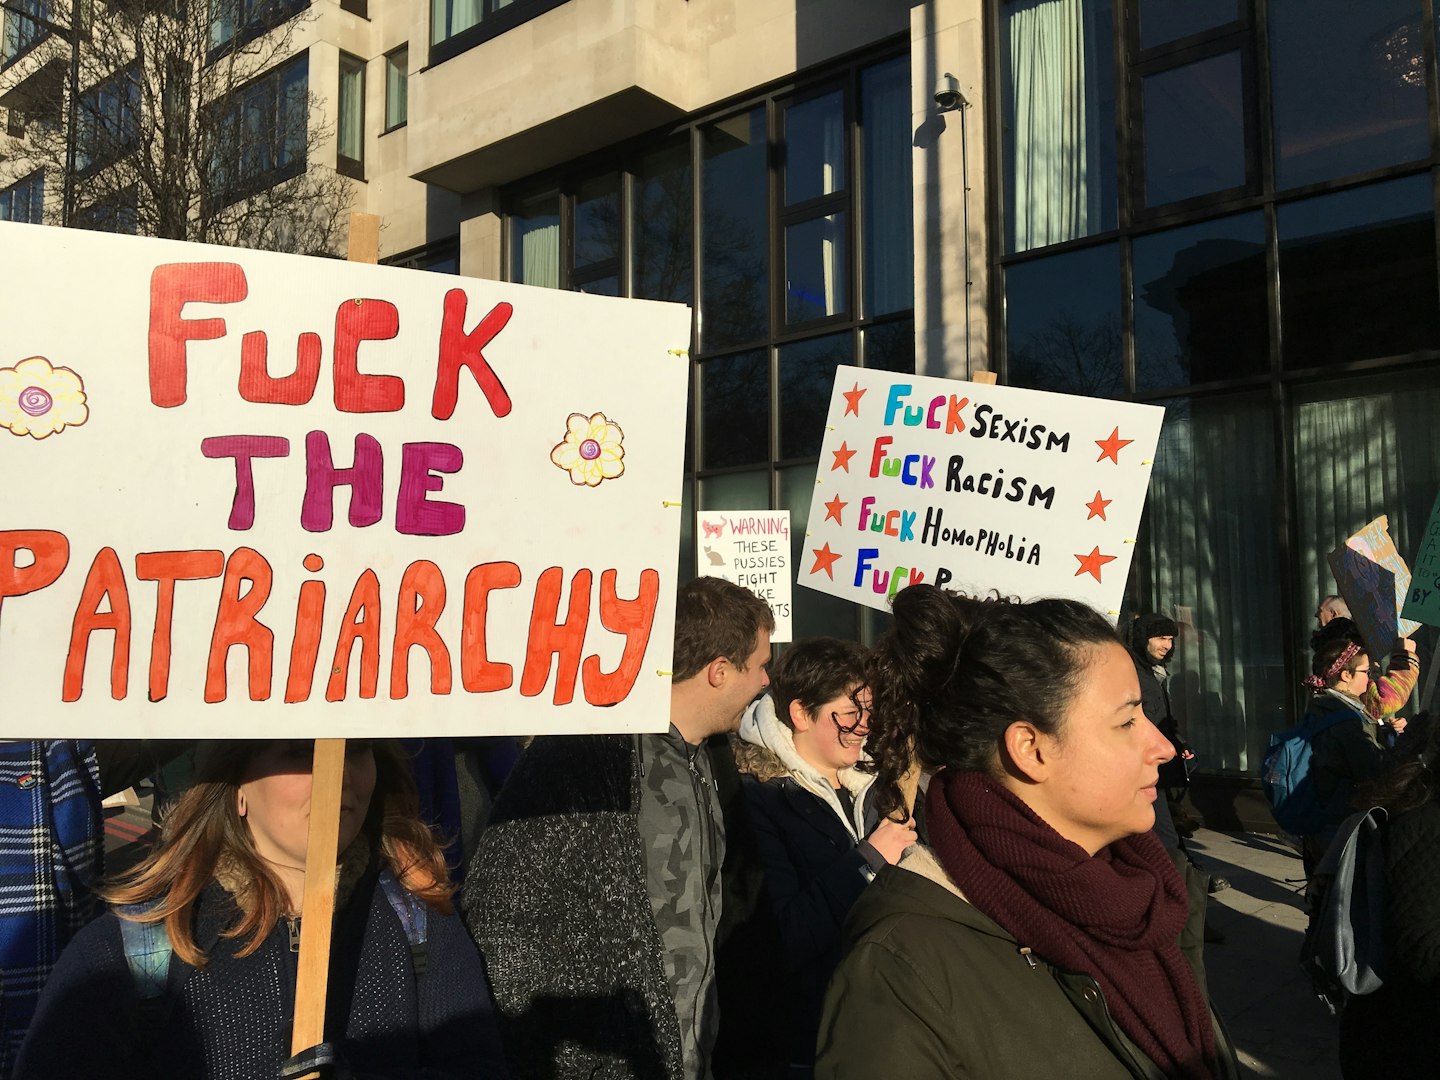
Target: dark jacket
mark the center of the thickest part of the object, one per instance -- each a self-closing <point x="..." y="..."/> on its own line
<point x="231" y="1021"/>
<point x="557" y="897"/>
<point x="1344" y="754"/>
<point x="1393" y="1032"/>
<point x="930" y="987"/>
<point x="1155" y="700"/>
<point x="816" y="865"/>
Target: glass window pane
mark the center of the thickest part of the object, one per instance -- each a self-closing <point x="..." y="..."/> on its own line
<point x="397" y="84"/>
<point x="891" y="346"/>
<point x="597" y="222"/>
<point x="807" y="373"/>
<point x="815" y="269"/>
<point x="535" y="243"/>
<point x="889" y="256"/>
<point x="1200" y="308"/>
<point x="814" y="614"/>
<point x="1062" y="317"/>
<point x="734" y="304"/>
<point x="734" y="410"/>
<point x="1194" y="130"/>
<point x="815" y="148"/>
<point x="736" y="491"/>
<point x="350" y="132"/>
<point x="1058" y="120"/>
<point x="609" y="285"/>
<point x="1357" y="274"/>
<point x="1162" y="21"/>
<point x="1214" y="568"/>
<point x="663" y="225"/>
<point x="1382" y="430"/>
<point x="1349" y="87"/>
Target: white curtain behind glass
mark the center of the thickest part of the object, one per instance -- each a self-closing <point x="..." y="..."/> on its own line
<point x="351" y="133"/>
<point x="1214" y="568"/>
<point x="832" y="136"/>
<point x="540" y="256"/>
<point x="1051" y="94"/>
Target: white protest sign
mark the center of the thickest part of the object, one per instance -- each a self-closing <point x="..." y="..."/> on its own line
<point x="750" y="548"/>
<point x="978" y="488"/>
<point x="247" y="493"/>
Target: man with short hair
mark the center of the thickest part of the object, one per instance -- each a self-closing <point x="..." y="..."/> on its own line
<point x="1331" y="607"/>
<point x="596" y="894"/>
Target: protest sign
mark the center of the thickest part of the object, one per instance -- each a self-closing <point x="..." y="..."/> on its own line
<point x="290" y="496"/>
<point x="977" y="488"/>
<point x="1374" y="580"/>
<point x="752" y="549"/>
<point x="1422" y="601"/>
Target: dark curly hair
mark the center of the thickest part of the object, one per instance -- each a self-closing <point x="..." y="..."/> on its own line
<point x="1329" y="642"/>
<point x="956" y="672"/>
<point x="815" y="671"/>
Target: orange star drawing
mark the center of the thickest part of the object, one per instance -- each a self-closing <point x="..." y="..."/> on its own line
<point x="1097" y="507"/>
<point x="824" y="560"/>
<point x="1091" y="564"/>
<point x="842" y="458"/>
<point x="1112" y="446"/>
<point x="833" y="508"/>
<point x="852" y="399"/>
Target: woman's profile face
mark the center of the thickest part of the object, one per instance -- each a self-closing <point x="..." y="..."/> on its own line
<point x="1105" y="762"/>
<point x="274" y="798"/>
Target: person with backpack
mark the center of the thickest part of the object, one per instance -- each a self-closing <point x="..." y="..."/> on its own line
<point x="191" y="973"/>
<point x="1392" y="1031"/>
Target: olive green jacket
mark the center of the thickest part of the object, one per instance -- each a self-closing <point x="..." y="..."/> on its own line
<point x="932" y="988"/>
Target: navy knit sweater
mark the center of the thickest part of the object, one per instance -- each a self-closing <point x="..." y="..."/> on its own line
<point x="232" y="1020"/>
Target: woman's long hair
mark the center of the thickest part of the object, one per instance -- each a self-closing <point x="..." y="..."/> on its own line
<point x="956" y="672"/>
<point x="203" y="835"/>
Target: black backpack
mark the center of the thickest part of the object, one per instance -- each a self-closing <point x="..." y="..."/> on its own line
<point x="1344" y="947"/>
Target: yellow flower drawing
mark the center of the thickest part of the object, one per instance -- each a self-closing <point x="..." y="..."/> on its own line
<point x="593" y="449"/>
<point x="39" y="400"/>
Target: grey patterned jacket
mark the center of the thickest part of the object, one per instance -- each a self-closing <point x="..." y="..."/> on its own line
<point x="558" y="898"/>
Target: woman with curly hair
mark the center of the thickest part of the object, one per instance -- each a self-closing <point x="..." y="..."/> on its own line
<point x="191" y="974"/>
<point x="1039" y="935"/>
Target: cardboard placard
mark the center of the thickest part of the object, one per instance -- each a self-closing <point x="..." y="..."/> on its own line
<point x="1374" y="580"/>
<point x="750" y="548"/>
<point x="301" y="497"/>
<point x="978" y="488"/>
<point x="1422" y="600"/>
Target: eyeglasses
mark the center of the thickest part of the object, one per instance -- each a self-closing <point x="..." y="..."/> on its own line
<point x="861" y="719"/>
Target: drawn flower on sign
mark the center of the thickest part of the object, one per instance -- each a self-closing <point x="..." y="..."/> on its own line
<point x="40" y="400"/>
<point x="593" y="449"/>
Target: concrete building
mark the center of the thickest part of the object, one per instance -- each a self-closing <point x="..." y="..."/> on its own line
<point x="1223" y="206"/>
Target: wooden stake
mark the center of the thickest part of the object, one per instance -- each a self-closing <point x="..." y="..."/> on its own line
<point x="318" y="917"/>
<point x="327" y="776"/>
<point x="364" y="238"/>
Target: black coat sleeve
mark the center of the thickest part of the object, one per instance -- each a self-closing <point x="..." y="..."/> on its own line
<point x="1412" y="883"/>
<point x="811" y="882"/>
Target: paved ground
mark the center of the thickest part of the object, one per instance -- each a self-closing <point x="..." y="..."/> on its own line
<point x="1280" y="1029"/>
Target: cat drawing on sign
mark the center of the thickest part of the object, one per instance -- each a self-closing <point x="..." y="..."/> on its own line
<point x="712" y="530"/>
<point x="716" y="559"/>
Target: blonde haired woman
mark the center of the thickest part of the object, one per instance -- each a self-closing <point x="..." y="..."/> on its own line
<point x="192" y="973"/>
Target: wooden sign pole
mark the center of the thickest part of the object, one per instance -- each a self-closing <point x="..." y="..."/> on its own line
<point x="327" y="778"/>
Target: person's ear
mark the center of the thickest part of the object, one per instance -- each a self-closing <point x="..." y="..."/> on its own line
<point x="1029" y="750"/>
<point x="240" y="808"/>
<point x="799" y="718"/>
<point x="717" y="671"/>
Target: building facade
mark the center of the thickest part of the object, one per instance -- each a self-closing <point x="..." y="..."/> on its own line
<point x="1225" y="207"/>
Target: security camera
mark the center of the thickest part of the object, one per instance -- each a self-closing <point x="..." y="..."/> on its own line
<point x="947" y="93"/>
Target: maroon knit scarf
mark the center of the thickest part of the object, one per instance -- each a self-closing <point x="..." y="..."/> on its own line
<point x="1116" y="916"/>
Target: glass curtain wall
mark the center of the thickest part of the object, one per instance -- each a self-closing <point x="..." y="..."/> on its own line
<point x="797" y="267"/>
<point x="1266" y="269"/>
